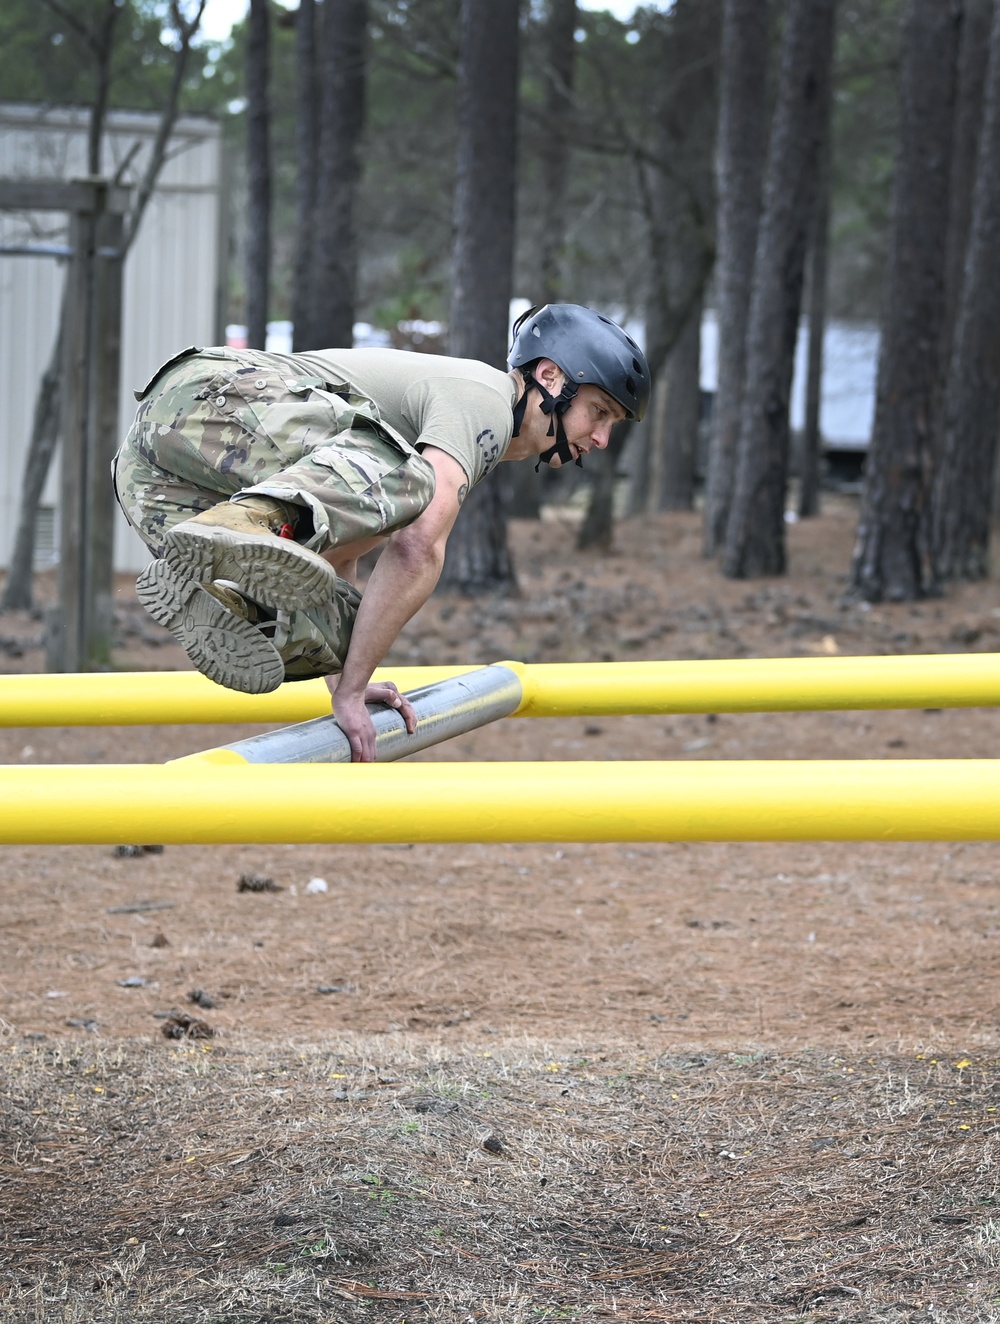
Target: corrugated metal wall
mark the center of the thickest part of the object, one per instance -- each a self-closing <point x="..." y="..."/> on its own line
<point x="172" y="273"/>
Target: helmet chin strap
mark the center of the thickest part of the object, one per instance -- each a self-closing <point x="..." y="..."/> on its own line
<point x="555" y="406"/>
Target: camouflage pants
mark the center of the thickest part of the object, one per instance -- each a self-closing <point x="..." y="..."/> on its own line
<point x="225" y="424"/>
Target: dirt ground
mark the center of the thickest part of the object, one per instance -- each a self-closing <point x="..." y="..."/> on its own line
<point x="712" y="1082"/>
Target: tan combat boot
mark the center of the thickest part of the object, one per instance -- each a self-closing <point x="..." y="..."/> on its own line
<point x="250" y="543"/>
<point x="217" y="628"/>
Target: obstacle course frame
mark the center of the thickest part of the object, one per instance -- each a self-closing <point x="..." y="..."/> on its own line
<point x="263" y="790"/>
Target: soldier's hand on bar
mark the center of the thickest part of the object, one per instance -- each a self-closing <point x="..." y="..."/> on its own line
<point x="385" y="692"/>
<point x="355" y="722"/>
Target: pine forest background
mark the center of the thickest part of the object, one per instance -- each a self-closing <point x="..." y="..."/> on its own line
<point x="775" y="160"/>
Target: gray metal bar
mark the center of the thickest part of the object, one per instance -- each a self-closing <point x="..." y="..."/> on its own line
<point x="449" y="708"/>
<point x="35" y="250"/>
<point x="62" y="195"/>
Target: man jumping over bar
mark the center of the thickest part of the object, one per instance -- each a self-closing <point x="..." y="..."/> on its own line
<point x="257" y="481"/>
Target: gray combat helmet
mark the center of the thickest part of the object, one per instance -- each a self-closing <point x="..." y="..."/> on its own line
<point x="589" y="347"/>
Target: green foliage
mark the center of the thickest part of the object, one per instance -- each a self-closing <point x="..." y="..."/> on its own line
<point x="44" y="59"/>
<point x="406" y="202"/>
<point x="410" y="146"/>
<point x="617" y="86"/>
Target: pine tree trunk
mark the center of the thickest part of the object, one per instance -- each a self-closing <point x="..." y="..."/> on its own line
<point x="647" y="481"/>
<point x="597" y="530"/>
<point x="485" y="187"/>
<point x="891" y="550"/>
<point x="556" y="142"/>
<point x="964" y="480"/>
<point x="755" y="534"/>
<point x="683" y="415"/>
<point x="342" y="120"/>
<point x="102" y="41"/>
<point x="17" y="591"/>
<point x="686" y="203"/>
<point x="306" y="146"/>
<point x="742" y="146"/>
<point x="812" y="438"/>
<point x="521" y="490"/>
<point x="974" y="49"/>
<point x="258" y="253"/>
<point x="477" y="558"/>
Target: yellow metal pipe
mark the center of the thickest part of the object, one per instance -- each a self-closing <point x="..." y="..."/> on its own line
<point x="151" y="698"/>
<point x="584" y="689"/>
<point x="227" y="802"/>
<point x="757" y="685"/>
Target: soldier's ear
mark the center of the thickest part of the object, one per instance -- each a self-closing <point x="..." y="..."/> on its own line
<point x="550" y="375"/>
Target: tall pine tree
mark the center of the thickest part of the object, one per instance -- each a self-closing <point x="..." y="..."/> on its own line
<point x="478" y="559"/>
<point x="755" y="533"/>
<point x="891" y="559"/>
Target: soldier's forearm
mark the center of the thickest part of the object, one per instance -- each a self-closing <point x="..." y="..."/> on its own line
<point x="399" y="586"/>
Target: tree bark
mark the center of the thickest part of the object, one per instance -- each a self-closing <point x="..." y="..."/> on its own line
<point x="963" y="488"/>
<point x="556" y="142"/>
<point x="973" y="54"/>
<point x="682" y="419"/>
<point x="103" y="46"/>
<point x="597" y="530"/>
<point x="686" y="212"/>
<point x="812" y="438"/>
<point x="306" y="146"/>
<point x="891" y="552"/>
<point x="17" y="593"/>
<point x="484" y="199"/>
<point x="755" y="534"/>
<point x="342" y="120"/>
<point x="521" y="491"/>
<point x="477" y="558"/>
<point x="742" y="147"/>
<point x="258" y="252"/>
<point x="647" y="477"/>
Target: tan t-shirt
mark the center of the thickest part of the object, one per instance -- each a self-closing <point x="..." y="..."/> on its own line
<point x="463" y="407"/>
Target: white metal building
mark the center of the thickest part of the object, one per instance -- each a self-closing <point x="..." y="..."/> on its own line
<point x="847" y="394"/>
<point x="172" y="279"/>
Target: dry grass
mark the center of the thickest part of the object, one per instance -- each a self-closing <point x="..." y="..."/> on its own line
<point x="388" y="1179"/>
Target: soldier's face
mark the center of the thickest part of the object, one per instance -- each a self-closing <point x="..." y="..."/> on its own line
<point x="588" y="422"/>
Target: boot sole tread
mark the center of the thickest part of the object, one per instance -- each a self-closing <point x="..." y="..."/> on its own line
<point x="275" y="572"/>
<point x="223" y="647"/>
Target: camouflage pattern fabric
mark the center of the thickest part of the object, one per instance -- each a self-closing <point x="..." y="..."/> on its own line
<point x="315" y="642"/>
<point x="224" y="424"/>
<point x="221" y="423"/>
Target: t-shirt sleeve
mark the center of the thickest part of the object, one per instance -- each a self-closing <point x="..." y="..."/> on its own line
<point x="468" y="420"/>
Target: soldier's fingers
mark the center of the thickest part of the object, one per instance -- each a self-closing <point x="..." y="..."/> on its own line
<point x="383" y="693"/>
<point x="408" y="714"/>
